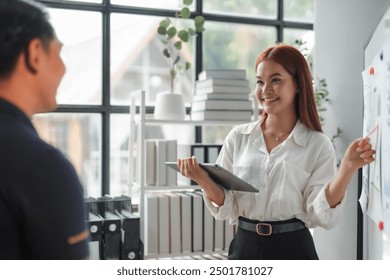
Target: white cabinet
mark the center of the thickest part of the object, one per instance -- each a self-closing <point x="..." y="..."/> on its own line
<point x="138" y="124"/>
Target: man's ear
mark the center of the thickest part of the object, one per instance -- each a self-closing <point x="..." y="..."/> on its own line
<point x="32" y="55"/>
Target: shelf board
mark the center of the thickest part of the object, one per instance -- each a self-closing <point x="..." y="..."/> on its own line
<point x="171" y="188"/>
<point x="167" y="188"/>
<point x="151" y="120"/>
<point x="204" y="255"/>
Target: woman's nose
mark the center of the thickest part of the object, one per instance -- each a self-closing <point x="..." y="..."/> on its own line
<point x="267" y="88"/>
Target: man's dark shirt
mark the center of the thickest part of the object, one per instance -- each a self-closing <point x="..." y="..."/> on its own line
<point x="41" y="198"/>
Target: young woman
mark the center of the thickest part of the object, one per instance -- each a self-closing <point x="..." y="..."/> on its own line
<point x="287" y="157"/>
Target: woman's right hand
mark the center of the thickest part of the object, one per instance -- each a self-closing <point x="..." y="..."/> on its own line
<point x="190" y="168"/>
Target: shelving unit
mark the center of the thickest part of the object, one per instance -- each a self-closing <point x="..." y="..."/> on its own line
<point x="138" y="125"/>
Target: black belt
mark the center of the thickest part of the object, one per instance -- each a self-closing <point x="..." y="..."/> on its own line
<point x="268" y="228"/>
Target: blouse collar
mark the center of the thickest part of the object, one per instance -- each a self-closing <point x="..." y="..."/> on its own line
<point x="299" y="133"/>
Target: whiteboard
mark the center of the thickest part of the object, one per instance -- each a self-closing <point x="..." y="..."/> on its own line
<point x="376" y="244"/>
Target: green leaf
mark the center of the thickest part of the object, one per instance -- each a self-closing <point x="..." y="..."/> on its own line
<point x="200" y="29"/>
<point x="166" y="53"/>
<point x="178" y="45"/>
<point x="162" y="30"/>
<point x="188" y="65"/>
<point x="199" y="24"/>
<point x="165" y="23"/>
<point x="185" y="13"/>
<point x="187" y="2"/>
<point x="183" y="35"/>
<point x="171" y="32"/>
<point x="199" y="21"/>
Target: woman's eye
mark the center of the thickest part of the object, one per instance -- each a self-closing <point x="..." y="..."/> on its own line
<point x="259" y="83"/>
<point x="276" y="80"/>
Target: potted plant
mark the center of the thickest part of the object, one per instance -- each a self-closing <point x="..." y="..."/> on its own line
<point x="170" y="105"/>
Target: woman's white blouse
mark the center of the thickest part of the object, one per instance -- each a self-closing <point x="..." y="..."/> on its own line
<point x="291" y="179"/>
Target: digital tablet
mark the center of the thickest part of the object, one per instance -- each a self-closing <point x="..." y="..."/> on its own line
<point x="222" y="177"/>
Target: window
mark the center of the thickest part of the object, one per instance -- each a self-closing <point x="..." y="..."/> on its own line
<point x="78" y="136"/>
<point x="111" y="48"/>
<point x="243" y="8"/>
<point x="82" y="53"/>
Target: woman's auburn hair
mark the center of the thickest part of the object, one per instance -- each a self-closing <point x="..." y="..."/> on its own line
<point x="295" y="64"/>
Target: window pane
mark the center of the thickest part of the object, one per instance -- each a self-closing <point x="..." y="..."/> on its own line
<point x="119" y="154"/>
<point x="82" y="55"/>
<point x="78" y="137"/>
<point x="246" y="8"/>
<point x="156" y="4"/>
<point x="299" y="10"/>
<point x="224" y="47"/>
<point x="85" y="1"/>
<point x="137" y="60"/>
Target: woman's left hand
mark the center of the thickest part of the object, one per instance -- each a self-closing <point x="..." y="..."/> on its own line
<point x="359" y="153"/>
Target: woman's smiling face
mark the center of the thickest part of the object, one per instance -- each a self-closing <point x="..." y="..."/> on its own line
<point x="275" y="88"/>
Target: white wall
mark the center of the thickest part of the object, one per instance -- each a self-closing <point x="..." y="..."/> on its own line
<point x="342" y="28"/>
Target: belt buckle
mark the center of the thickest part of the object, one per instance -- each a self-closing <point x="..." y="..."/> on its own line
<point x="259" y="227"/>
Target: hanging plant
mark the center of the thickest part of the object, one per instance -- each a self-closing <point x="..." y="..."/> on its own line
<point x="174" y="38"/>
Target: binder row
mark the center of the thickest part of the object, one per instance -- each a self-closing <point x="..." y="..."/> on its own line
<point x="157" y="152"/>
<point x="179" y="223"/>
<point x="114" y="229"/>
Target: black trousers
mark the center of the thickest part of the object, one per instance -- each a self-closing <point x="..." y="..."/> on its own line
<point x="295" y="245"/>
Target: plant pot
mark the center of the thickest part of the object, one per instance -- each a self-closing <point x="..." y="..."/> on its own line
<point x="169" y="106"/>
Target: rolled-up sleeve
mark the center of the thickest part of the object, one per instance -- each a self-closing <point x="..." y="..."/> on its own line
<point x="224" y="211"/>
<point x="325" y="216"/>
<point x="319" y="212"/>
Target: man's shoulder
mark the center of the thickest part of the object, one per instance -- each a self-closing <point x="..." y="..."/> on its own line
<point x="22" y="138"/>
<point x="24" y="148"/>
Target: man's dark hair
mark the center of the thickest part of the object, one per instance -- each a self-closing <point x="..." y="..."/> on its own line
<point x="20" y="22"/>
